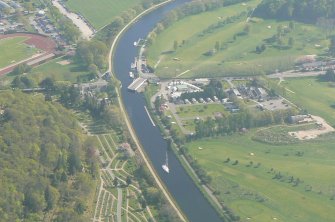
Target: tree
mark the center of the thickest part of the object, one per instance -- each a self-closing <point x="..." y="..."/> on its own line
<point x="153" y="196"/>
<point x="49" y="84"/>
<point x="291" y="41"/>
<point x="175" y="45"/>
<point x="21" y="68"/>
<point x="330" y="75"/>
<point x="51" y="196"/>
<point x="291" y="25"/>
<point x="217" y="46"/>
<point x="332" y="46"/>
<point x="115" y="182"/>
<point x="128" y="180"/>
<point x="80" y="207"/>
<point x="34" y="201"/>
<point x="74" y="162"/>
<point x="246" y="29"/>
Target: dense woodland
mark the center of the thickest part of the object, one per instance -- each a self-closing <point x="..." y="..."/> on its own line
<point x="301" y="10"/>
<point x="47" y="167"/>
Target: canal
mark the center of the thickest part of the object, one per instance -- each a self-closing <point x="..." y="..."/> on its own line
<point x="180" y="185"/>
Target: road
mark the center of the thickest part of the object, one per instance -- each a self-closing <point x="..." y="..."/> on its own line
<point x="294" y="74"/>
<point x="119" y="205"/>
<point x="127" y="121"/>
<point x="85" y="29"/>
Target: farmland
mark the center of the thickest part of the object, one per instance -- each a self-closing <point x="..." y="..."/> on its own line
<point x="101" y="12"/>
<point x="261" y="185"/>
<point x="14" y="50"/>
<point x="236" y="53"/>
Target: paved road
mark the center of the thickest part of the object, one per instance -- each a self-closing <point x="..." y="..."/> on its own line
<point x="119" y="204"/>
<point x="293" y="74"/>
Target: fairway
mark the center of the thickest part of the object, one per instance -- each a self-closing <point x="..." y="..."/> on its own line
<point x="100" y="12"/>
<point x="14" y="50"/>
<point x="318" y="98"/>
<point x="261" y="186"/>
<point x="196" y="36"/>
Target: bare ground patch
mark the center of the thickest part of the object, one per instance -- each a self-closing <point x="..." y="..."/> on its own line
<point x="322" y="128"/>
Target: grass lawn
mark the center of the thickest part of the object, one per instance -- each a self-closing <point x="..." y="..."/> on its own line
<point x="200" y="110"/>
<point x="237" y="55"/>
<point x="314" y="96"/>
<point x="100" y="12"/>
<point x="249" y="188"/>
<point x="58" y="72"/>
<point x="14" y="50"/>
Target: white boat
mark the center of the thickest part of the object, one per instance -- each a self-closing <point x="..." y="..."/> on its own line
<point x="135" y="43"/>
<point x="166" y="165"/>
<point x="131" y="75"/>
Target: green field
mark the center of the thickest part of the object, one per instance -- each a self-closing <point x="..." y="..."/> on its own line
<point x="58" y="72"/>
<point x="100" y="12"/>
<point x="237" y="55"/>
<point x="314" y="96"/>
<point x="249" y="187"/>
<point x="200" y="110"/>
<point x="14" y="50"/>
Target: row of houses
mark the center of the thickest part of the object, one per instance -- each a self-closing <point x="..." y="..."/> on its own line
<point x="251" y="92"/>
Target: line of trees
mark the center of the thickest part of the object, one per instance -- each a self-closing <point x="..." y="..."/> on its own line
<point x="68" y="30"/>
<point x="244" y="119"/>
<point x="301" y="10"/>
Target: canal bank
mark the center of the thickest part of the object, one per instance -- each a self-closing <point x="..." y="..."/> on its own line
<point x="179" y="184"/>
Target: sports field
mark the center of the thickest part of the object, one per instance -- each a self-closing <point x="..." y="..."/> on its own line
<point x="13" y="50"/>
<point x="60" y="70"/>
<point x="197" y="35"/>
<point x="100" y="12"/>
<point x="293" y="182"/>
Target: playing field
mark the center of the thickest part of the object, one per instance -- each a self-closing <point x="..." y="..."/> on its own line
<point x="197" y="35"/>
<point x="292" y="182"/>
<point x="318" y="98"/>
<point x="100" y="12"/>
<point x="60" y="70"/>
<point x="13" y="50"/>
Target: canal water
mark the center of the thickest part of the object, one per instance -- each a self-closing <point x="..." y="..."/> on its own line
<point x="189" y="198"/>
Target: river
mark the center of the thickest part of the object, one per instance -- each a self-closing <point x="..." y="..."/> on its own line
<point x="180" y="185"/>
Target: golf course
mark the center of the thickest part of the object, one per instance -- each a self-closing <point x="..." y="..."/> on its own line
<point x="228" y="42"/>
<point x="263" y="182"/>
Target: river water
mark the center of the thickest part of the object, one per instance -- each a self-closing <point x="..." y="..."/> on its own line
<point x="189" y="198"/>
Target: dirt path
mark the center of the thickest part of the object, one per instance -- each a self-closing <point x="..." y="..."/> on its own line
<point x="129" y="126"/>
<point x="84" y="28"/>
